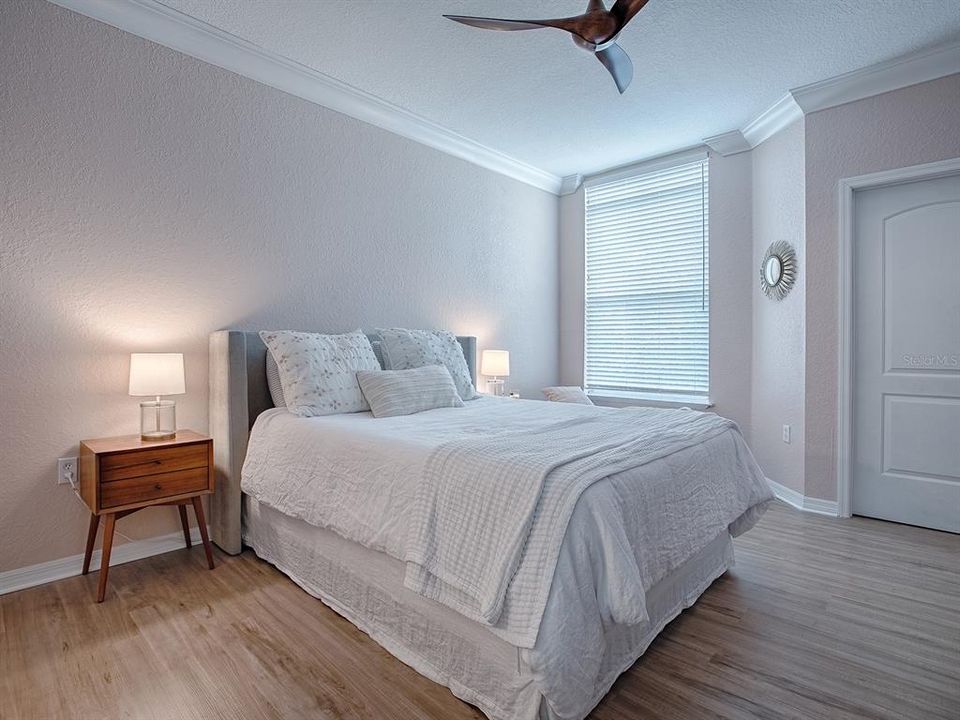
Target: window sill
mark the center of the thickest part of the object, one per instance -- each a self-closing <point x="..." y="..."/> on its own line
<point x="612" y="398"/>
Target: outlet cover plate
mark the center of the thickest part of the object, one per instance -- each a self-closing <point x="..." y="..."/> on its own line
<point x="66" y="466"/>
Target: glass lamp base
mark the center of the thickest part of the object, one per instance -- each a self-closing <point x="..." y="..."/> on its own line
<point x="158" y="420"/>
<point x="495" y="386"/>
<point x="148" y="436"/>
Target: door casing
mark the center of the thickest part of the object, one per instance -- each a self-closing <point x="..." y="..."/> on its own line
<point x="928" y="171"/>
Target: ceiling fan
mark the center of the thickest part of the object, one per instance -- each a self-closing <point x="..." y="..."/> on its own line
<point x="596" y="30"/>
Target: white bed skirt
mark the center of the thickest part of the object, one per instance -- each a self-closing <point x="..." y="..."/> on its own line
<point x="366" y="587"/>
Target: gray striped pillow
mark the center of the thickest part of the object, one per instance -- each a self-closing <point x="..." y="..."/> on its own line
<point x="405" y="392"/>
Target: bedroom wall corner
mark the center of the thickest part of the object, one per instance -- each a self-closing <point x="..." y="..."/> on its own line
<point x="572" y="270"/>
<point x="778" y="371"/>
<point x="731" y="287"/>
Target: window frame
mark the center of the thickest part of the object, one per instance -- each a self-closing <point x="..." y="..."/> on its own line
<point x="664" y="398"/>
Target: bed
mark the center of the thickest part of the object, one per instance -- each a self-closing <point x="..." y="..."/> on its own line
<point x="327" y="500"/>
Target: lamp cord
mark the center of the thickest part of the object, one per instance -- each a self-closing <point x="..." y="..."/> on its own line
<point x="76" y="493"/>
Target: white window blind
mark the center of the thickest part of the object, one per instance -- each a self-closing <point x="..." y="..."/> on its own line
<point x="647" y="294"/>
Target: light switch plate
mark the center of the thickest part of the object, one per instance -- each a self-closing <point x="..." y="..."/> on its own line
<point x="786" y="434"/>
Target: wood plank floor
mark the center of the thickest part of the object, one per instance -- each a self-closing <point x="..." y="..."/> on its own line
<point x="821" y="618"/>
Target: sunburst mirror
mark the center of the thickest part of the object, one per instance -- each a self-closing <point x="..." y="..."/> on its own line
<point x="778" y="271"/>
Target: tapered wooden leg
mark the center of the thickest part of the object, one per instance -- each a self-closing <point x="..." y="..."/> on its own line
<point x="185" y="524"/>
<point x="201" y="521"/>
<point x="91" y="539"/>
<point x="105" y="555"/>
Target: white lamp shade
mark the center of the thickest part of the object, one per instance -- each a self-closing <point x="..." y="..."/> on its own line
<point x="495" y="363"/>
<point x="156" y="374"/>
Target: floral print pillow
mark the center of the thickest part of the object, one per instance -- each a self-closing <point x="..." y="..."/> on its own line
<point x="318" y="372"/>
<point x="406" y="349"/>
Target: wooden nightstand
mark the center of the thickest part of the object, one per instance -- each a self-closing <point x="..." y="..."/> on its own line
<point x="121" y="475"/>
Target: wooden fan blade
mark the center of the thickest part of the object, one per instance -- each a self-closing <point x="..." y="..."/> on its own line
<point x="618" y="63"/>
<point x="624" y="10"/>
<point x="569" y="24"/>
<point x="498" y="24"/>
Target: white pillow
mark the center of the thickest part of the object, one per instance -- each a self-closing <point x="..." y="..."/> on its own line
<point x="405" y="349"/>
<point x="567" y="394"/>
<point x="405" y="392"/>
<point x="273" y="382"/>
<point x="318" y="373"/>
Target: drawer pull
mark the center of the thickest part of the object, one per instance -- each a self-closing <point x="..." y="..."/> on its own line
<point x="157" y="486"/>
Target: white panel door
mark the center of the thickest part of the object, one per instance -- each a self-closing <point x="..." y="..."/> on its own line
<point x="906" y="345"/>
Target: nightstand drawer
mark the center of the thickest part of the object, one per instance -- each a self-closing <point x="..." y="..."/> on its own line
<point x="120" y="466"/>
<point x="153" y="487"/>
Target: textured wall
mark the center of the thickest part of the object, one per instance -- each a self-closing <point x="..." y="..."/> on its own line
<point x="915" y="125"/>
<point x="731" y="285"/>
<point x="572" y="274"/>
<point x="148" y="199"/>
<point x="730" y="249"/>
<point x="777" y="382"/>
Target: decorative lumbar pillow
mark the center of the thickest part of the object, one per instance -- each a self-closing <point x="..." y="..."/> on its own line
<point x="318" y="373"/>
<point x="405" y="349"/>
<point x="273" y="382"/>
<point x="568" y="394"/>
<point x="405" y="392"/>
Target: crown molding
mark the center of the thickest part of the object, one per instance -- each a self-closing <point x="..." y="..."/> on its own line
<point x="728" y="143"/>
<point x="161" y="24"/>
<point x="918" y="67"/>
<point x="570" y="184"/>
<point x="775" y="118"/>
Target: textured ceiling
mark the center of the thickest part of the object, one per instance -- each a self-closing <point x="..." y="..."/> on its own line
<point x="702" y="67"/>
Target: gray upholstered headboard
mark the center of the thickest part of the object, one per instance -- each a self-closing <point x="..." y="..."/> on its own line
<point x="238" y="394"/>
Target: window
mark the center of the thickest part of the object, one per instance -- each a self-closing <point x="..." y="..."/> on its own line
<point x="647" y="294"/>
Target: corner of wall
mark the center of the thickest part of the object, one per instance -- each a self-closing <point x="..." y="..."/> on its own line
<point x="779" y="327"/>
<point x="731" y="286"/>
<point x="571" y="289"/>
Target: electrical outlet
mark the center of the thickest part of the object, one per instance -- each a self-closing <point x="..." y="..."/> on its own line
<point x="786" y="434"/>
<point x="66" y="469"/>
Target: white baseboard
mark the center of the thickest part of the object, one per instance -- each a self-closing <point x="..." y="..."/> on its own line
<point x="821" y="507"/>
<point x="42" y="573"/>
<point x="802" y="502"/>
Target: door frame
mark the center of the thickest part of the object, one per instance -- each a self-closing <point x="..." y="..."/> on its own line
<point x="927" y="171"/>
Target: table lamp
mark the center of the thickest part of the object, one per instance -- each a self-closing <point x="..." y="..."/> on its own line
<point x="157" y="374"/>
<point x="495" y="364"/>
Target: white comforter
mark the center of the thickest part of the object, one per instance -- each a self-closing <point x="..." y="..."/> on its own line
<point x="359" y="476"/>
<point x="492" y="509"/>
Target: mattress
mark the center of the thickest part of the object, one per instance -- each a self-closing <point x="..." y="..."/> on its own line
<point x="366" y="587"/>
